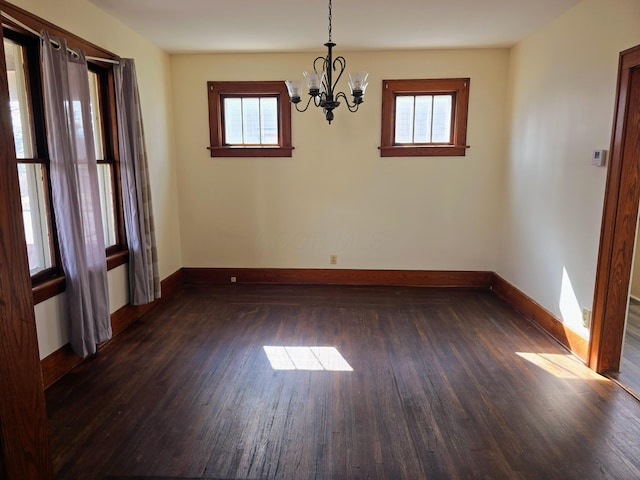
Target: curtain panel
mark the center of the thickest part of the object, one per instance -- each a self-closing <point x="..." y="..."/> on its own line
<point x="144" y="277"/>
<point x="74" y="185"/>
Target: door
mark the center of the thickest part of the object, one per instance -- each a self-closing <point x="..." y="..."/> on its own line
<point x="620" y="214"/>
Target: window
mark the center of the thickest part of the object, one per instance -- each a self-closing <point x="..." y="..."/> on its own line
<point x="249" y="119"/>
<point x="107" y="166"/>
<point x="21" y="52"/>
<point x="25" y="104"/>
<point x="424" y="117"/>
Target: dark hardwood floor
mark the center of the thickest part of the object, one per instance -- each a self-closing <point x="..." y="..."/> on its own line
<point x="446" y="384"/>
<point x="629" y="374"/>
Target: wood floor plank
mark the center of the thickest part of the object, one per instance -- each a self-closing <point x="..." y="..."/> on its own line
<point x="446" y="383"/>
<point x="629" y="374"/>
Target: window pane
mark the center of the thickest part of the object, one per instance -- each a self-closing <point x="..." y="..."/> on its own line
<point x="106" y="203"/>
<point x="96" y="115"/>
<point x="269" y="120"/>
<point x="423" y="117"/>
<point x="251" y="120"/>
<point x="404" y="119"/>
<point x="233" y="121"/>
<point x="442" y="105"/>
<point x="35" y="216"/>
<point x="18" y="99"/>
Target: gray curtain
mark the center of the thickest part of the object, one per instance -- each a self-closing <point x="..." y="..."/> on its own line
<point x="74" y="185"/>
<point x="144" y="278"/>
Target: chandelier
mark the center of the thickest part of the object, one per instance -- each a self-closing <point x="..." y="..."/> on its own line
<point x="322" y="87"/>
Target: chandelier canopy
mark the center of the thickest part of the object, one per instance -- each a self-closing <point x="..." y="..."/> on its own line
<point x="322" y="86"/>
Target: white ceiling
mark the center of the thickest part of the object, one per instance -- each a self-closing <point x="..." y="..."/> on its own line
<point x="301" y="25"/>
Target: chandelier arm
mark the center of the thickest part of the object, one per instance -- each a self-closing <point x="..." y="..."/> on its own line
<point x="306" y="107"/>
<point x="342" y="63"/>
<point x="353" y="107"/>
<point x="322" y="70"/>
<point x="319" y="58"/>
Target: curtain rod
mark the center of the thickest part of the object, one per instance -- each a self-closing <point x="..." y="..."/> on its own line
<point x="31" y="30"/>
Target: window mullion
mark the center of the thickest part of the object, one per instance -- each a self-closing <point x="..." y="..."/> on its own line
<point x="242" y="122"/>
<point x="433" y="106"/>
<point x="260" y="119"/>
<point x="413" y="120"/>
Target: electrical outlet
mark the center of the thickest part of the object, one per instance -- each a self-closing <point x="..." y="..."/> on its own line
<point x="233" y="279"/>
<point x="586" y="317"/>
<point x="333" y="259"/>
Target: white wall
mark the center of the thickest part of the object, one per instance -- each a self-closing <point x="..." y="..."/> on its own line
<point x="562" y="83"/>
<point x="152" y="65"/>
<point x="336" y="195"/>
<point x="50" y="314"/>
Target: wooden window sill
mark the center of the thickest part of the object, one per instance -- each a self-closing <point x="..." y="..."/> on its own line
<point x="57" y="285"/>
<point x="424" y="151"/>
<point x="250" y="151"/>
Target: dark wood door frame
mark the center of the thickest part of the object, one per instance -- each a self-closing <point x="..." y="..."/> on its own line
<point x="24" y="439"/>
<point x="619" y="221"/>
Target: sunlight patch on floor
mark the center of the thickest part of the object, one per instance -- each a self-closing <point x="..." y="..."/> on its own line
<point x="306" y="358"/>
<point x="558" y="365"/>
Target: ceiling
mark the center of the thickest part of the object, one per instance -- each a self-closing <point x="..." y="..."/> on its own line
<point x="301" y="25"/>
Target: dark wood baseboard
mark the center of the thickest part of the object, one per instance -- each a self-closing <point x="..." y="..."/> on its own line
<point x="541" y="316"/>
<point x="208" y="276"/>
<point x="172" y="284"/>
<point x="63" y="360"/>
<point x="122" y="318"/>
<point x="57" y="364"/>
<point x="125" y="316"/>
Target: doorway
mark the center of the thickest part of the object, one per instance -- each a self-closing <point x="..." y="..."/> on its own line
<point x="628" y="375"/>
<point x="620" y="215"/>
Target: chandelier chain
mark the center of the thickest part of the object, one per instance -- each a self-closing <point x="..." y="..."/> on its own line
<point x="329" y="20"/>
